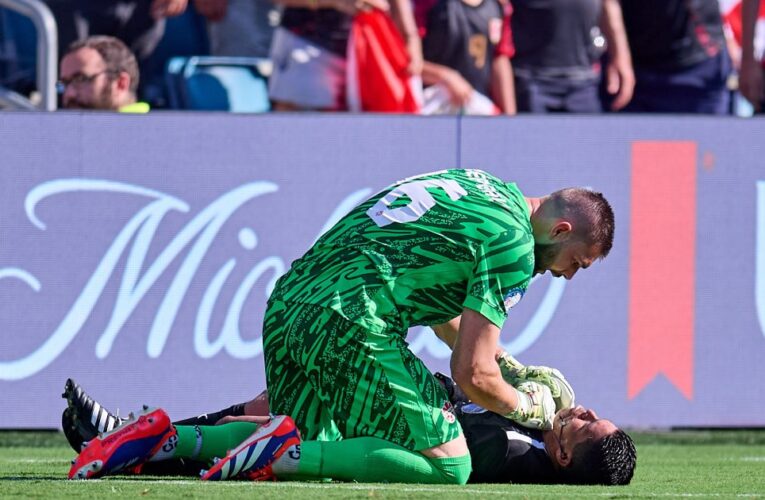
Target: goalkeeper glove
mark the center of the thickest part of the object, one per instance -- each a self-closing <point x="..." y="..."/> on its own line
<point x="536" y="408"/>
<point x="562" y="392"/>
<point x="514" y="373"/>
<point x="510" y="367"/>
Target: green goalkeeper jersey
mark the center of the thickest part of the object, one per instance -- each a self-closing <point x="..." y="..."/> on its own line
<point x="420" y="251"/>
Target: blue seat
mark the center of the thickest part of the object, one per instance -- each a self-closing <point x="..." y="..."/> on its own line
<point x="235" y="84"/>
<point x="185" y="35"/>
<point x="18" y="51"/>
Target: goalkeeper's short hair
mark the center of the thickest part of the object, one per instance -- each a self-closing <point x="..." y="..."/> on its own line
<point x="609" y="461"/>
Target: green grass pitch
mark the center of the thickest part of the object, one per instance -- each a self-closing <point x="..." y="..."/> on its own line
<point x="694" y="464"/>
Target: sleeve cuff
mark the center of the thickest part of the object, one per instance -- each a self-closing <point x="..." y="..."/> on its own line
<point x="486" y="310"/>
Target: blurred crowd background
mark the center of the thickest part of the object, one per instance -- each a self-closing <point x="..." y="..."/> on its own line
<point x="409" y="56"/>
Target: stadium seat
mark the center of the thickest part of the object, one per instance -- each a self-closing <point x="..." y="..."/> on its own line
<point x="18" y="55"/>
<point x="235" y="84"/>
<point x="185" y="35"/>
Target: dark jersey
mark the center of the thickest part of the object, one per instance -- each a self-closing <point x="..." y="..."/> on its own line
<point x="463" y="37"/>
<point x="555" y="37"/>
<point x="672" y="34"/>
<point x="129" y="20"/>
<point x="501" y="450"/>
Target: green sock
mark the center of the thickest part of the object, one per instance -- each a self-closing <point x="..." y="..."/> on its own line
<point x="203" y="442"/>
<point x="369" y="460"/>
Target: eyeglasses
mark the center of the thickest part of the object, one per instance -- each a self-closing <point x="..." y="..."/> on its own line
<point x="78" y="80"/>
<point x="559" y="437"/>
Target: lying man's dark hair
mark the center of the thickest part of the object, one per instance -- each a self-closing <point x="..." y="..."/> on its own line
<point x="609" y="461"/>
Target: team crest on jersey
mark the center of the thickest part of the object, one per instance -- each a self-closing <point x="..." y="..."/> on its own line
<point x="513" y="297"/>
<point x="448" y="412"/>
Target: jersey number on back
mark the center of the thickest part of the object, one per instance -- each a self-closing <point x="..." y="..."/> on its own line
<point x="421" y="201"/>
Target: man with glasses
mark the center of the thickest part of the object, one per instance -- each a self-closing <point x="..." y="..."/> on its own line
<point x="100" y="73"/>
<point x="580" y="448"/>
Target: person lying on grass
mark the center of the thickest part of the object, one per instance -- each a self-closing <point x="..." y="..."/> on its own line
<point x="576" y="447"/>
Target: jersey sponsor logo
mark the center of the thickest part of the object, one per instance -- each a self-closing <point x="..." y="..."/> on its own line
<point x="513" y="297"/>
<point x="447" y="410"/>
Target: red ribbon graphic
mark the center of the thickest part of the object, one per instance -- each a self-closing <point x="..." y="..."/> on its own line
<point x="662" y="265"/>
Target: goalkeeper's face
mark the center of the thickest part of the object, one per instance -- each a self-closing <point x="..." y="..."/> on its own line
<point x="564" y="258"/>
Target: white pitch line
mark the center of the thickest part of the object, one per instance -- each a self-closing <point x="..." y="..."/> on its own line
<point x="57" y="461"/>
<point x="505" y="491"/>
<point x="410" y="489"/>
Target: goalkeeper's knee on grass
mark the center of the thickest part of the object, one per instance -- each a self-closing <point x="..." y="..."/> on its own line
<point x="371" y="460"/>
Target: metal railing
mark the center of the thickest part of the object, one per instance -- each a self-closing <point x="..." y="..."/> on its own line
<point x="13" y="101"/>
<point x="47" y="47"/>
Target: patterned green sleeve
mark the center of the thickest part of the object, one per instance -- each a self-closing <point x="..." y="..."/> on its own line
<point x="503" y="269"/>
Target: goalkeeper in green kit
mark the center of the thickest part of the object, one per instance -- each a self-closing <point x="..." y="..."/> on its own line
<point x="454" y="250"/>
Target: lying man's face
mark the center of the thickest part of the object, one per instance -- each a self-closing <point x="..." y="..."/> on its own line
<point x="571" y="427"/>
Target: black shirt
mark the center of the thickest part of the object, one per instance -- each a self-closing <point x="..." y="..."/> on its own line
<point x="556" y="37"/>
<point x="464" y="38"/>
<point x="501" y="450"/>
<point x="672" y="34"/>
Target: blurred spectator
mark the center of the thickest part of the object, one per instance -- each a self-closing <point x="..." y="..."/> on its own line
<point x="240" y="27"/>
<point x="138" y="23"/>
<point x="466" y="44"/>
<point x="558" y="46"/>
<point x="750" y="76"/>
<point x="309" y="50"/>
<point x="731" y="21"/>
<point x="100" y="73"/>
<point x="680" y="56"/>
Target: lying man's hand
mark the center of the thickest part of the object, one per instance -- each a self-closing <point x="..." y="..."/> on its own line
<point x="514" y="373"/>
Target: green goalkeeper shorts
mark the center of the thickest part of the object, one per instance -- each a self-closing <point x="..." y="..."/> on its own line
<point x="338" y="380"/>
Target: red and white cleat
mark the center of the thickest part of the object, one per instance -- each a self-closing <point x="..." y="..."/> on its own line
<point x="254" y="457"/>
<point x="124" y="447"/>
